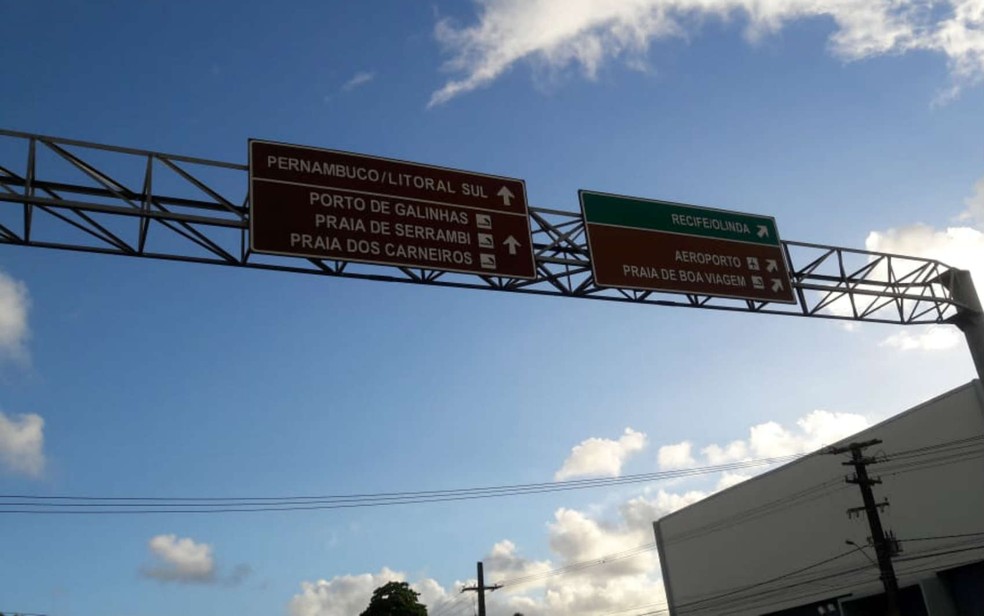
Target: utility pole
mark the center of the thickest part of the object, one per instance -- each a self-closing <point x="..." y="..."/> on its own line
<point x="884" y="548"/>
<point x="480" y="588"/>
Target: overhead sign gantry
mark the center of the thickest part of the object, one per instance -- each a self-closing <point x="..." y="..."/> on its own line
<point x="75" y="195"/>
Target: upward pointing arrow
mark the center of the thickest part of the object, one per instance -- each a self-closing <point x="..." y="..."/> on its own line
<point x="512" y="243"/>
<point x="506" y="195"/>
<point x="763" y="231"/>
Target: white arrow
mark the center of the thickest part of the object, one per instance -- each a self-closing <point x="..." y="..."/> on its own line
<point x="506" y="195"/>
<point x="776" y="285"/>
<point x="771" y="265"/>
<point x="763" y="231"/>
<point x="512" y="243"/>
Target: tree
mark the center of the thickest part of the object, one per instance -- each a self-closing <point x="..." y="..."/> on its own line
<point x="395" y="599"/>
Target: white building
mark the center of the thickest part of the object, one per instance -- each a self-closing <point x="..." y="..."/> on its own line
<point x="777" y="544"/>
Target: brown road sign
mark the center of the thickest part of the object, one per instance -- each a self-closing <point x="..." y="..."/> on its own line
<point x="310" y="202"/>
<point x="662" y="246"/>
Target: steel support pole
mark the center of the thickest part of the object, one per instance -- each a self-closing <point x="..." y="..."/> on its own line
<point x="970" y="314"/>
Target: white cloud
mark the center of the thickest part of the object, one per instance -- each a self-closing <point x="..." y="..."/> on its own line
<point x="22" y="444"/>
<point x="771" y="440"/>
<point x="14" y="304"/>
<point x="975" y="204"/>
<point x="641" y="511"/>
<point x="675" y="456"/>
<point x="185" y="561"/>
<point x="960" y="247"/>
<point x="601" y="457"/>
<point x="627" y="576"/>
<point x="345" y="595"/>
<point x="505" y="562"/>
<point x="340" y="596"/>
<point x="606" y="553"/>
<point x="359" y="79"/>
<point x="729" y="479"/>
<point x="620" y="583"/>
<point x="577" y="536"/>
<point x="716" y="454"/>
<point x="557" y="34"/>
<point x="574" y="536"/>
<point x="931" y="338"/>
<point x="181" y="560"/>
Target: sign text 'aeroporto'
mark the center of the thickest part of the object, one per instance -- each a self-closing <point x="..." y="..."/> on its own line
<point x="660" y="246"/>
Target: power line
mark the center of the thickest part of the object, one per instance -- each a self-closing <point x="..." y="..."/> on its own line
<point x="662" y="608"/>
<point x="768" y="595"/>
<point x="452" y="606"/>
<point x="804" y="496"/>
<point x="941" y="537"/>
<point x="905" y="461"/>
<point x="917" y="450"/>
<point x="946" y="452"/>
<point x="579" y="566"/>
<point x="103" y="505"/>
<point x="116" y="505"/>
<point x="693" y="604"/>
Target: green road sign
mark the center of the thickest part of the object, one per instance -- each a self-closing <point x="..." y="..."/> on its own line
<point x="661" y="246"/>
<point x="670" y="217"/>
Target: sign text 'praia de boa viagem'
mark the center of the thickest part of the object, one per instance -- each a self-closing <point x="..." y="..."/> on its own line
<point x="662" y="246"/>
<point x="324" y="204"/>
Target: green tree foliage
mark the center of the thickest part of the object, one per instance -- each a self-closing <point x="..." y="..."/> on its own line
<point x="395" y="599"/>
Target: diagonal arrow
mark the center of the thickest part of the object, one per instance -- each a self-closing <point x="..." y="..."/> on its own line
<point x="777" y="285"/>
<point x="506" y="195"/>
<point x="512" y="243"/>
<point x="771" y="265"/>
<point x="763" y="231"/>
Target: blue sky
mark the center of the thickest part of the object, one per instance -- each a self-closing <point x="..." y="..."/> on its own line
<point x="856" y="124"/>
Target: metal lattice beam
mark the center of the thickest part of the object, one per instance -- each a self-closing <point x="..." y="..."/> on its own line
<point x="73" y="195"/>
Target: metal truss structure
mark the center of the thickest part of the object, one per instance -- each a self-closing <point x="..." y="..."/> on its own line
<point x="73" y="195"/>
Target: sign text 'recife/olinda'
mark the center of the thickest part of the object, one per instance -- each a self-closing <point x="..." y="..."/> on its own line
<point x="661" y="246"/>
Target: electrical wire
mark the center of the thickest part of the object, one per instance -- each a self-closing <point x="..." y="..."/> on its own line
<point x="947" y="452"/>
<point x="451" y="606"/>
<point x="917" y="450"/>
<point x="768" y="596"/>
<point x="689" y="606"/>
<point x="579" y="566"/>
<point x="801" y="497"/>
<point x="899" y="462"/>
<point x="662" y="607"/>
<point x="941" y="537"/>
<point x="103" y="505"/>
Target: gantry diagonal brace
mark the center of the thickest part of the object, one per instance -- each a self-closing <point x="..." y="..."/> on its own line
<point x="73" y="195"/>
